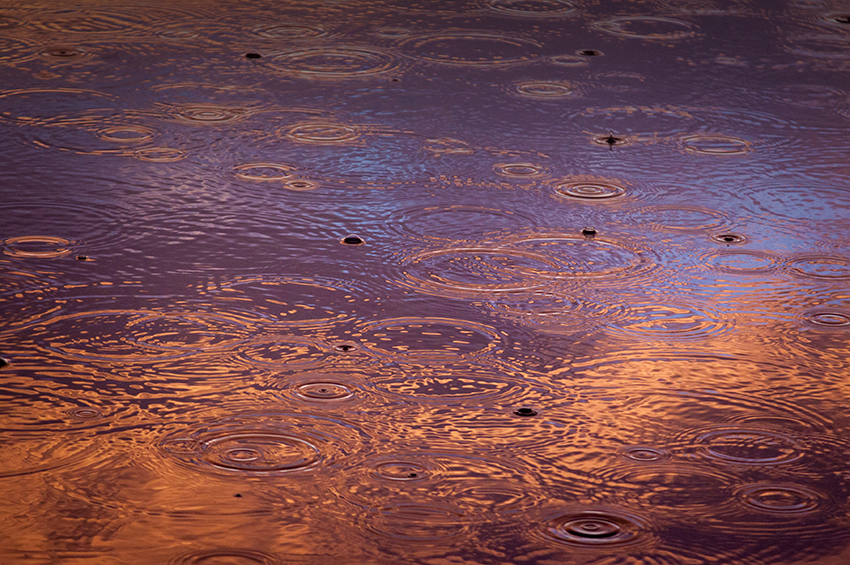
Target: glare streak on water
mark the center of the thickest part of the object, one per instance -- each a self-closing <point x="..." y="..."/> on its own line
<point x="448" y="281"/>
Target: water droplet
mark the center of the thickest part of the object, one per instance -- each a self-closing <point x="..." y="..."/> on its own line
<point x="728" y="238"/>
<point x="352" y="240"/>
<point x="588" y="231"/>
<point x="645" y="454"/>
<point x="401" y="471"/>
<point x="525" y="412"/>
<point x="324" y="390"/>
<point x="253" y="56"/>
<point x="589" y="52"/>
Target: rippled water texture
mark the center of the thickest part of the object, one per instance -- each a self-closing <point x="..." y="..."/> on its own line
<point x="429" y="282"/>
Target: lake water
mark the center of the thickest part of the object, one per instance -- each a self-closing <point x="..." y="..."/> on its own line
<point x="428" y="282"/>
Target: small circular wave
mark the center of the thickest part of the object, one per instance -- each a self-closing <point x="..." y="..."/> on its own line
<point x="337" y="62"/>
<point x="209" y="114"/>
<point x="590" y="189"/>
<point x="820" y="267"/>
<point x="669" y="321"/>
<point x="679" y="218"/>
<point x="532" y="8"/>
<point x="475" y="271"/>
<point x="137" y="335"/>
<point x="580" y="257"/>
<point x="430" y="338"/>
<point x="646" y="27"/>
<point x="596" y="529"/>
<point x="716" y="145"/>
<point x="519" y="170"/>
<point x="65" y="53"/>
<point x="400" y="470"/>
<point x="118" y="23"/>
<point x="471" y="48"/>
<point x="781" y="499"/>
<point x="54" y="106"/>
<point x="412" y="522"/>
<point x="544" y="90"/>
<point x="644" y="454"/>
<point x="263" y="172"/>
<point x="229" y="555"/>
<point x="741" y="262"/>
<point x="828" y="319"/>
<point x="283" y="351"/>
<point x="748" y="446"/>
<point x="37" y="247"/>
<point x="322" y="133"/>
<point x="265" y="444"/>
<point x="84" y="413"/>
<point x="289" y="31"/>
<point x="127" y="134"/>
<point x="260" y="451"/>
<point x="160" y="154"/>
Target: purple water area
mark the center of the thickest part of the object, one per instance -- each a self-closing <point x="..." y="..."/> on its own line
<point x="427" y="282"/>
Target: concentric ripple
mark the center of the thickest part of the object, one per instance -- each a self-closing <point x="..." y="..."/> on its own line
<point x="283" y="351"/>
<point x="532" y="8"/>
<point x="644" y="454"/>
<point x="54" y="106"/>
<point x="230" y="555"/>
<point x="322" y="133"/>
<point x="823" y="318"/>
<point x="430" y="338"/>
<point x="590" y="189"/>
<point x="716" y="145"/>
<point x="289" y="31"/>
<point x="37" y="247"/>
<point x="748" y="446"/>
<point x="679" y="218"/>
<point x="264" y="444"/>
<point x="579" y="257"/>
<point x="476" y="271"/>
<point x="669" y="321"/>
<point x="596" y="529"/>
<point x="470" y="48"/>
<point x="160" y="154"/>
<point x="646" y="27"/>
<point x="264" y="172"/>
<point x="416" y="522"/>
<point x="821" y="267"/>
<point x="545" y="89"/>
<point x="781" y="499"/>
<point x="209" y="114"/>
<point x="138" y="335"/>
<point x="742" y="262"/>
<point x="337" y="62"/>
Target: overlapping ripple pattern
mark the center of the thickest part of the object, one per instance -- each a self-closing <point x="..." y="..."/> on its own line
<point x="428" y="282"/>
